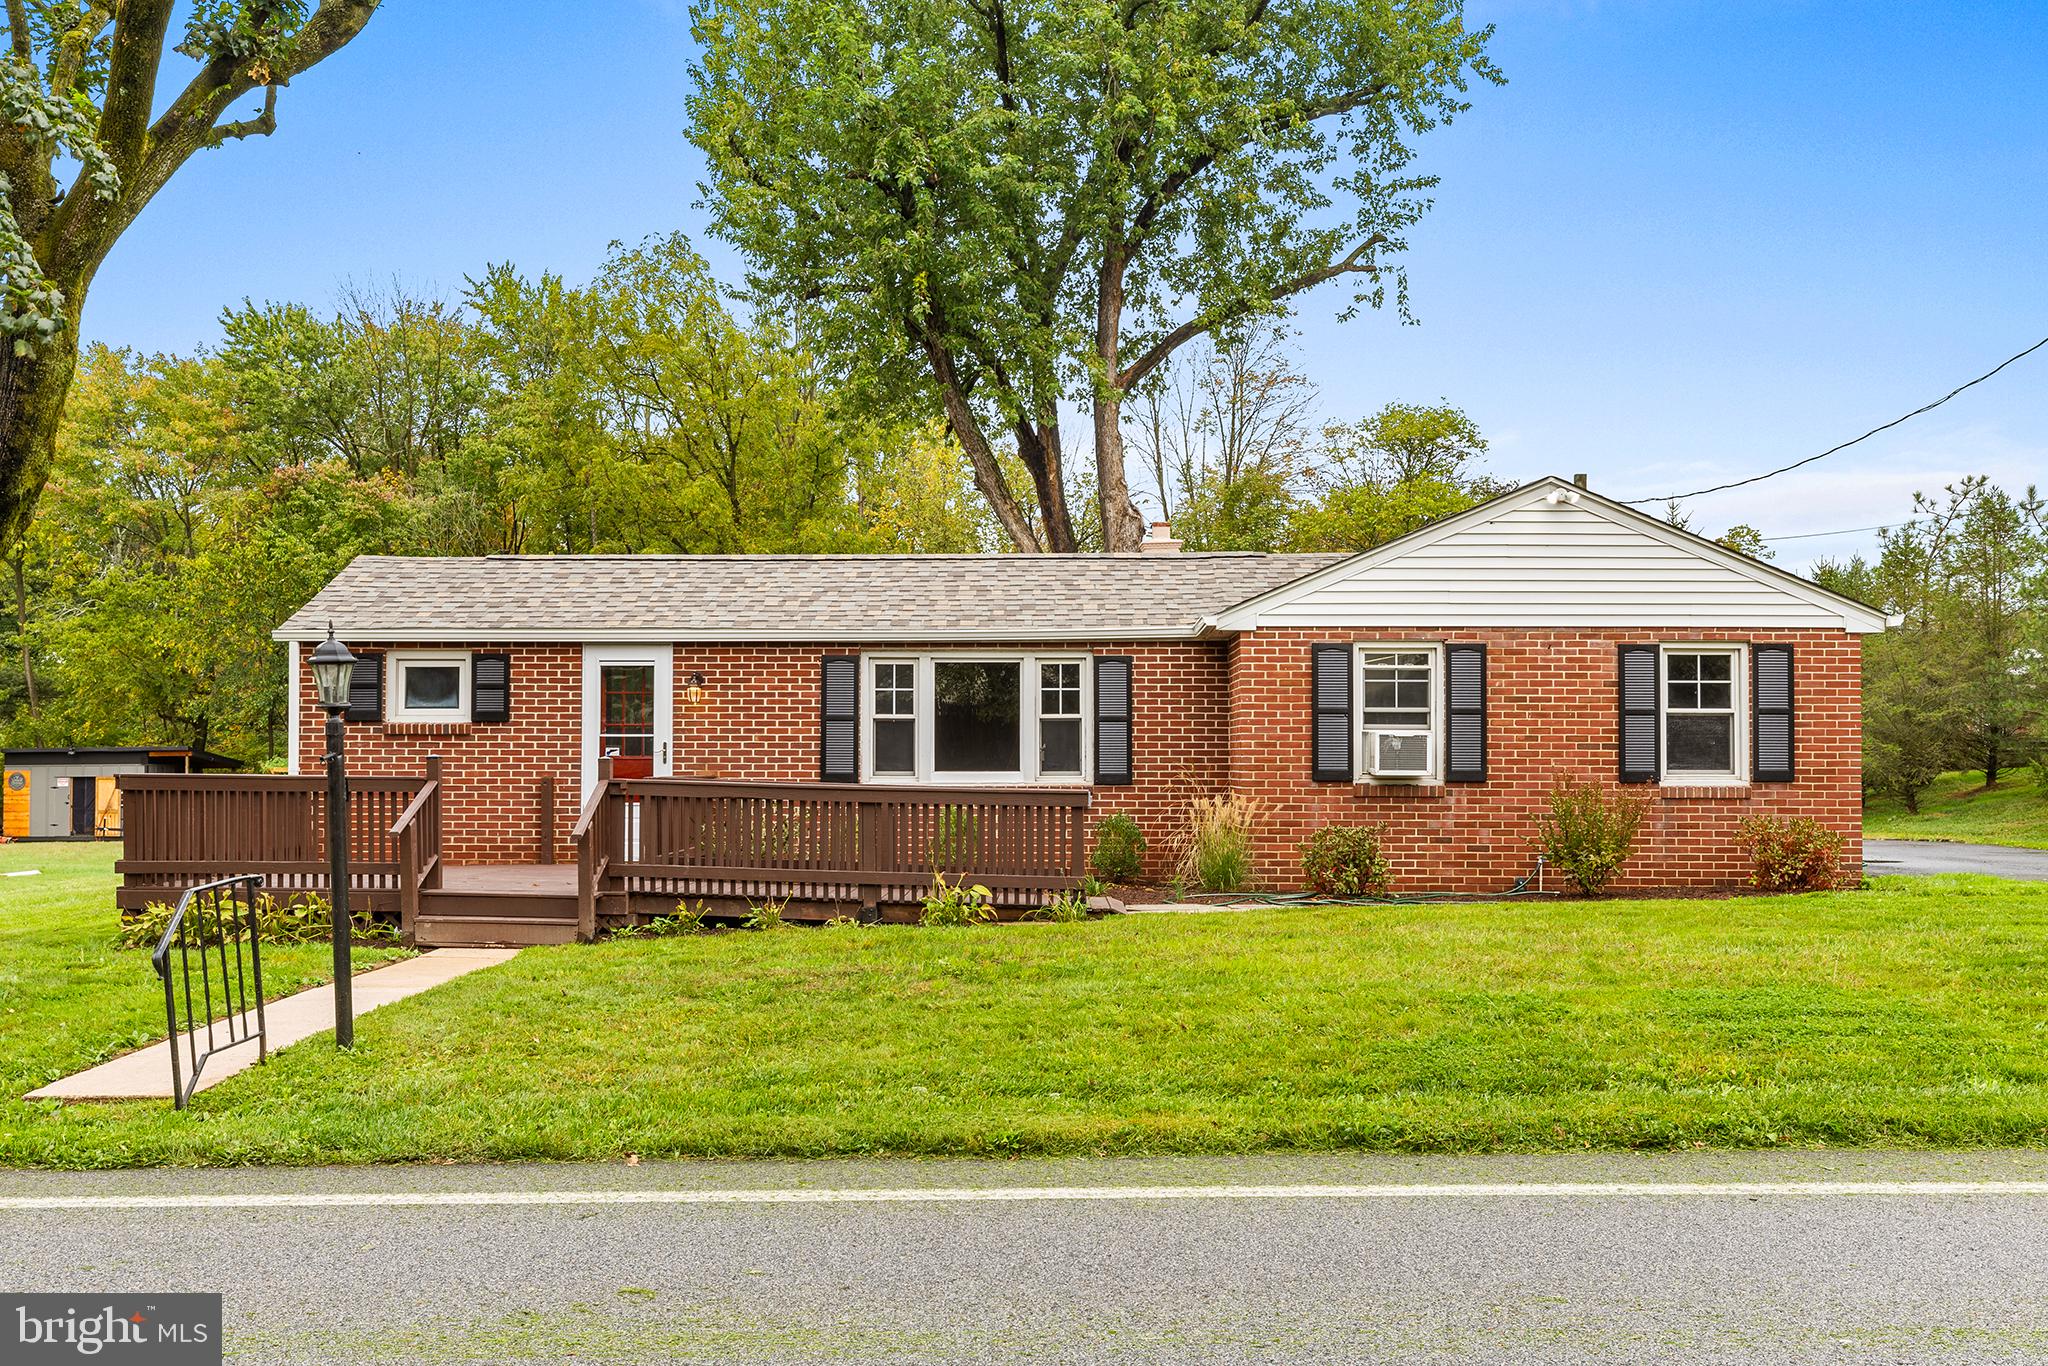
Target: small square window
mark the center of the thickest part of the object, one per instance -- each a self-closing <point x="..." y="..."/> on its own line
<point x="428" y="688"/>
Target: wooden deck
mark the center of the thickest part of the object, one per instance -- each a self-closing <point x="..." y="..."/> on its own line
<point x="643" y="846"/>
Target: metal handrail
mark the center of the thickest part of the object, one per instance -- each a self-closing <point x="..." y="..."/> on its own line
<point x="234" y="921"/>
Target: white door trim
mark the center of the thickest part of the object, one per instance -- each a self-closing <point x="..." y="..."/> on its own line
<point x="662" y="657"/>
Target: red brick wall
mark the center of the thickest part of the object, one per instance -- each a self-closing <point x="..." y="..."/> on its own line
<point x="759" y="720"/>
<point x="1206" y="716"/>
<point x="1551" y="710"/>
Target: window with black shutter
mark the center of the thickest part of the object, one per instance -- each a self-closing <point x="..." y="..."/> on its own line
<point x="1330" y="705"/>
<point x="1638" y="741"/>
<point x="1113" y="720"/>
<point x="839" y="725"/>
<point x="1465" y="713"/>
<point x="1771" y="694"/>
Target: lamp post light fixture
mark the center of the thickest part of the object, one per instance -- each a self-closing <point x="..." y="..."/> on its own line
<point x="693" y="690"/>
<point x="333" y="671"/>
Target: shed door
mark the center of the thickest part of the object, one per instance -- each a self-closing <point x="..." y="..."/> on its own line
<point x="84" y="804"/>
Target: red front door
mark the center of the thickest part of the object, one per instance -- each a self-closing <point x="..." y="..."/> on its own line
<point x="626" y="719"/>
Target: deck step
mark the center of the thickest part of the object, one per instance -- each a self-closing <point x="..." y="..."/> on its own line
<point x="497" y="905"/>
<point x="485" y="931"/>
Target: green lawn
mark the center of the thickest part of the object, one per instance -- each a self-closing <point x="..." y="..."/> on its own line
<point x="1958" y="808"/>
<point x="1916" y="1013"/>
<point x="70" y="996"/>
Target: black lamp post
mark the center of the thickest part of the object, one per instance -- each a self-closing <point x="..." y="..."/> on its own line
<point x="333" y="670"/>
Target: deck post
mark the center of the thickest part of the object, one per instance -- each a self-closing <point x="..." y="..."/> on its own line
<point x="440" y="793"/>
<point x="408" y="880"/>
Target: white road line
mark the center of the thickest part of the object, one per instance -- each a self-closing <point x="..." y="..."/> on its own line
<point x="1020" y="1194"/>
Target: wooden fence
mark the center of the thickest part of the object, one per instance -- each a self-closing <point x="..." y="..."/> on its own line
<point x="181" y="830"/>
<point x="673" y="838"/>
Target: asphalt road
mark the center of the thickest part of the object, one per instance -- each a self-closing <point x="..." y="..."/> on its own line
<point x="1541" y="1261"/>
<point x="1941" y="856"/>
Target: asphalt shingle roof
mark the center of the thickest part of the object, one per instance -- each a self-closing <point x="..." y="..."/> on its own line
<point x="879" y="598"/>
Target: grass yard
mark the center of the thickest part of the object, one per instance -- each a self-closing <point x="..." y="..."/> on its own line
<point x="1958" y="808"/>
<point x="1916" y="1013"/>
<point x="70" y="996"/>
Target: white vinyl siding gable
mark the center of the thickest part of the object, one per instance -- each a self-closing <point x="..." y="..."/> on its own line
<point x="1534" y="563"/>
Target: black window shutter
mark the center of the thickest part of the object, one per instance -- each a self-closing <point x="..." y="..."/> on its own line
<point x="1330" y="702"/>
<point x="1771" y="698"/>
<point x="839" y="728"/>
<point x="1465" y="713"/>
<point x="1113" y="720"/>
<point x="366" y="689"/>
<point x="1639" y="713"/>
<point x="490" y="687"/>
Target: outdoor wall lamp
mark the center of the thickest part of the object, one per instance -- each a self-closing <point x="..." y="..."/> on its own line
<point x="693" y="689"/>
<point x="334" y="670"/>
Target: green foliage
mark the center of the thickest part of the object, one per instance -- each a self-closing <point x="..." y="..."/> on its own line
<point x="1957" y="806"/>
<point x="956" y="838"/>
<point x="1119" y="853"/>
<point x="957" y="903"/>
<point x="1346" y="860"/>
<point x="1798" y="854"/>
<point x="765" y="915"/>
<point x="1065" y="909"/>
<point x="303" y="919"/>
<point x="1011" y="210"/>
<point x="1589" y="830"/>
<point x="196" y="501"/>
<point x="687" y="918"/>
<point x="1216" y="844"/>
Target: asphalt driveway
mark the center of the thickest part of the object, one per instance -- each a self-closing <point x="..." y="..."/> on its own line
<point x="1939" y="856"/>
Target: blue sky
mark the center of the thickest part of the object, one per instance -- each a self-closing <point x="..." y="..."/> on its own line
<point x="1688" y="241"/>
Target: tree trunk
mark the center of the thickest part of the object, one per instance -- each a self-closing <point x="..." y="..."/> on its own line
<point x="966" y="428"/>
<point x="1039" y="447"/>
<point x="1123" y="527"/>
<point x="32" y="390"/>
<point x="28" y="657"/>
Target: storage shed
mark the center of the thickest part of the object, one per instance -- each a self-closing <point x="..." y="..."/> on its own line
<point x="70" y="793"/>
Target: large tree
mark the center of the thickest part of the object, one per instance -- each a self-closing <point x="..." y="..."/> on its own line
<point x="1013" y="206"/>
<point x="78" y="82"/>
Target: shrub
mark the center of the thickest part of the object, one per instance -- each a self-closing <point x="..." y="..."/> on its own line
<point x="764" y="915"/>
<point x="303" y="919"/>
<point x="1119" y="849"/>
<point x="956" y="903"/>
<point x="1796" y="855"/>
<point x="1345" y="860"/>
<point x="1217" y="856"/>
<point x="1065" y="909"/>
<point x="687" y="919"/>
<point x="1589" y="831"/>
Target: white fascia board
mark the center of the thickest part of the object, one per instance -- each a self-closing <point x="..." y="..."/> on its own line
<point x="1855" y="617"/>
<point x="841" y="636"/>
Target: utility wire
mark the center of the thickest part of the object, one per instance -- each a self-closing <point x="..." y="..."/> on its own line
<point x="1783" y="469"/>
<point x="1845" y="531"/>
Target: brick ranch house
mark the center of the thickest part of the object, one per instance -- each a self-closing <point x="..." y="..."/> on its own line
<point x="1438" y="685"/>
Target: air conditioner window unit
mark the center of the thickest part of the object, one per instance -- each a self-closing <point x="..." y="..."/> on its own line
<point x="1398" y="753"/>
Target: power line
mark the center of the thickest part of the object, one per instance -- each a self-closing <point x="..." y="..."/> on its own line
<point x="1845" y="531"/>
<point x="1783" y="469"/>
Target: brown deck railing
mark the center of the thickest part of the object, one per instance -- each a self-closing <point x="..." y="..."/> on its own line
<point x="182" y="830"/>
<point x="674" y="838"/>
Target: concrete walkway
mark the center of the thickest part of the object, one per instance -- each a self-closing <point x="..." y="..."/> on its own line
<point x="146" y="1073"/>
<point x="1918" y="857"/>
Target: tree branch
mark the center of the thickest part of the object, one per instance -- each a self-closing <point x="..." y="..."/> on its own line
<point x="1354" y="262"/>
<point x="1169" y="188"/>
<point x="17" y="31"/>
<point x="68" y="62"/>
<point x="263" y="125"/>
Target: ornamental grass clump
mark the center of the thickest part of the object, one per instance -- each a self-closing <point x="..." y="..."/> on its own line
<point x="1589" y="831"/>
<point x="1346" y="860"/>
<point x="1795" y="855"/>
<point x="1216" y="853"/>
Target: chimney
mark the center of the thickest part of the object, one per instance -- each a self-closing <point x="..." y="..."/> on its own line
<point x="1579" y="479"/>
<point x="1160" y="541"/>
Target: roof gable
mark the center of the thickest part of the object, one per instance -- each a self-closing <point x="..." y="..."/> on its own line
<point x="1551" y="554"/>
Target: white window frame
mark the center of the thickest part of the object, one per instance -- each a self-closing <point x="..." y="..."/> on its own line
<point x="1361" y="762"/>
<point x="927" y="772"/>
<point x="1738" y="714"/>
<point x="396" y="662"/>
